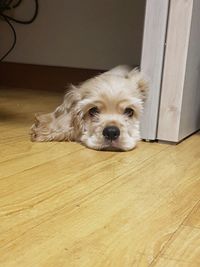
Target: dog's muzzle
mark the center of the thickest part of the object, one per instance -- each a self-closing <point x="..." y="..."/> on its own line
<point x="111" y="133"/>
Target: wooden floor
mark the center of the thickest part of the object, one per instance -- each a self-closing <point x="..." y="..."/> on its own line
<point x="63" y="205"/>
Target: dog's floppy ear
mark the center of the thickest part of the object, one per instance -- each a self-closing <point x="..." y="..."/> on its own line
<point x="70" y="107"/>
<point x="58" y="125"/>
<point x="70" y="99"/>
<point x="141" y="81"/>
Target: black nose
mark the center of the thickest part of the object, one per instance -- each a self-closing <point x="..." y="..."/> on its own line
<point x="111" y="133"/>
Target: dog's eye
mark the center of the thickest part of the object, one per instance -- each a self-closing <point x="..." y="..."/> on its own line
<point x="93" y="111"/>
<point x="129" y="112"/>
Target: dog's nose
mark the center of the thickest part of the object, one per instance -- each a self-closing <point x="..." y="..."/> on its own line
<point x="111" y="133"/>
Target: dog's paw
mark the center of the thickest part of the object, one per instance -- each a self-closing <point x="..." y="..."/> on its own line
<point x="46" y="128"/>
<point x="40" y="131"/>
<point x="36" y="135"/>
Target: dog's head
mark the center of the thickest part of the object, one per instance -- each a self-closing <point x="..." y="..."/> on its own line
<point x="105" y="110"/>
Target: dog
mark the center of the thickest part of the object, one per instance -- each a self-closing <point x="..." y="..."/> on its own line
<point x="102" y="113"/>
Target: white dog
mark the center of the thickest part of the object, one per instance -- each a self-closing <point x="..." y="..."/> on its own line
<point x="101" y="113"/>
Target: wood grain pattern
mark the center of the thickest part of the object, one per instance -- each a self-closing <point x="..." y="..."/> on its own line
<point x="184" y="246"/>
<point x="164" y="262"/>
<point x="62" y="204"/>
<point x="194" y="219"/>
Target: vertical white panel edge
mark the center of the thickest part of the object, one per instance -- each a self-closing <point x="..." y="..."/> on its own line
<point x="156" y="16"/>
<point x="190" y="111"/>
<point x="177" y="43"/>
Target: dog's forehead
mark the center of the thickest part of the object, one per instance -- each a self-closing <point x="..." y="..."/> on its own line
<point x="109" y="87"/>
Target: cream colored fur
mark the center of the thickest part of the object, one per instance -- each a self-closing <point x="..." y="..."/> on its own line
<point x="111" y="93"/>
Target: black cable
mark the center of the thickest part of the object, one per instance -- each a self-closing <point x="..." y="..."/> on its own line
<point x="17" y="4"/>
<point x="26" y="21"/>
<point x="7" y="4"/>
<point x="14" y="35"/>
<point x="10" y="4"/>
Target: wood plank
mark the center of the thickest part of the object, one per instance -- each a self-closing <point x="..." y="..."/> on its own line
<point x="152" y="62"/>
<point x="193" y="219"/>
<point x="184" y="246"/>
<point x="134" y="207"/>
<point x="62" y="204"/>
<point x="164" y="262"/>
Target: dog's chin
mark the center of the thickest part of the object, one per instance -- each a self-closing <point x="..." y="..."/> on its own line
<point x="110" y="146"/>
<point x="101" y="144"/>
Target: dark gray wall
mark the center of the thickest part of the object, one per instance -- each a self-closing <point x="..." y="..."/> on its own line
<point x="89" y="34"/>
